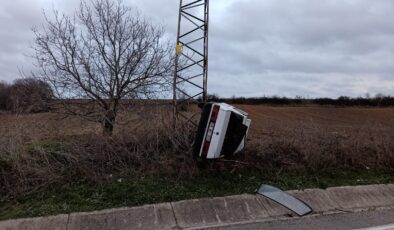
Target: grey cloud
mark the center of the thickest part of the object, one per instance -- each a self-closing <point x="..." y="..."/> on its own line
<point x="288" y="47"/>
<point x="323" y="40"/>
<point x="16" y="20"/>
<point x="293" y="84"/>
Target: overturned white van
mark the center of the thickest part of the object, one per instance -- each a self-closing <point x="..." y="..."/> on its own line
<point x="222" y="131"/>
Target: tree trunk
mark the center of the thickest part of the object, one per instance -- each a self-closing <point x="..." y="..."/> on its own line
<point x="108" y="123"/>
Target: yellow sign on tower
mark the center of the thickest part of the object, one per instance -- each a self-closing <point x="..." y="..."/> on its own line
<point x="178" y="49"/>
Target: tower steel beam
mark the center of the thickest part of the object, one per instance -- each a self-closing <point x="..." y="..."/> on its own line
<point x="191" y="63"/>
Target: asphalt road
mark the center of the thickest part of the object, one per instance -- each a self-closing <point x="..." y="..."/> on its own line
<point x="384" y="219"/>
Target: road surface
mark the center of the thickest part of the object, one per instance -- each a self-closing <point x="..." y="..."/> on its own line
<point x="379" y="220"/>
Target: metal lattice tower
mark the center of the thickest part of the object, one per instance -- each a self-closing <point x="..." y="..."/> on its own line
<point x="191" y="64"/>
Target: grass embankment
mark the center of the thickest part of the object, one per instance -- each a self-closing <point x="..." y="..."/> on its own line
<point x="130" y="191"/>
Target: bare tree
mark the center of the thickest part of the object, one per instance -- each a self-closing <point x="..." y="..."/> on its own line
<point x="104" y="53"/>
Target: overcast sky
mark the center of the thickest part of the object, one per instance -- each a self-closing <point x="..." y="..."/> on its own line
<point x="309" y="48"/>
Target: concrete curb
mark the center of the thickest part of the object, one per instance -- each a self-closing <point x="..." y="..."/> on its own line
<point x="215" y="212"/>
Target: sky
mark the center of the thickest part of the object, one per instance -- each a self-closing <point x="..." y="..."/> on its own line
<point x="307" y="48"/>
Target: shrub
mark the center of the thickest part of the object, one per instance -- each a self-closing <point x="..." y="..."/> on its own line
<point x="27" y="95"/>
<point x="94" y="158"/>
<point x="4" y="96"/>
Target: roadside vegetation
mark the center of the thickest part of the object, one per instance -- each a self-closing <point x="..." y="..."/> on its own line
<point x="50" y="164"/>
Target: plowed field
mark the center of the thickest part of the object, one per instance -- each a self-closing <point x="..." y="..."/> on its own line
<point x="267" y="120"/>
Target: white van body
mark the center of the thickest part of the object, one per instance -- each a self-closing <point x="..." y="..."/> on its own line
<point x="222" y="131"/>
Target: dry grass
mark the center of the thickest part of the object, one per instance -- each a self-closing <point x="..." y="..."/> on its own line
<point x="40" y="150"/>
<point x="55" y="151"/>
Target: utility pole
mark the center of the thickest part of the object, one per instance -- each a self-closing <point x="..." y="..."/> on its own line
<point x="191" y="63"/>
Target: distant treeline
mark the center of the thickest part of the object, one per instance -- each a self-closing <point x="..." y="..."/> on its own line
<point x="27" y="95"/>
<point x="377" y="101"/>
<point x="31" y="95"/>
